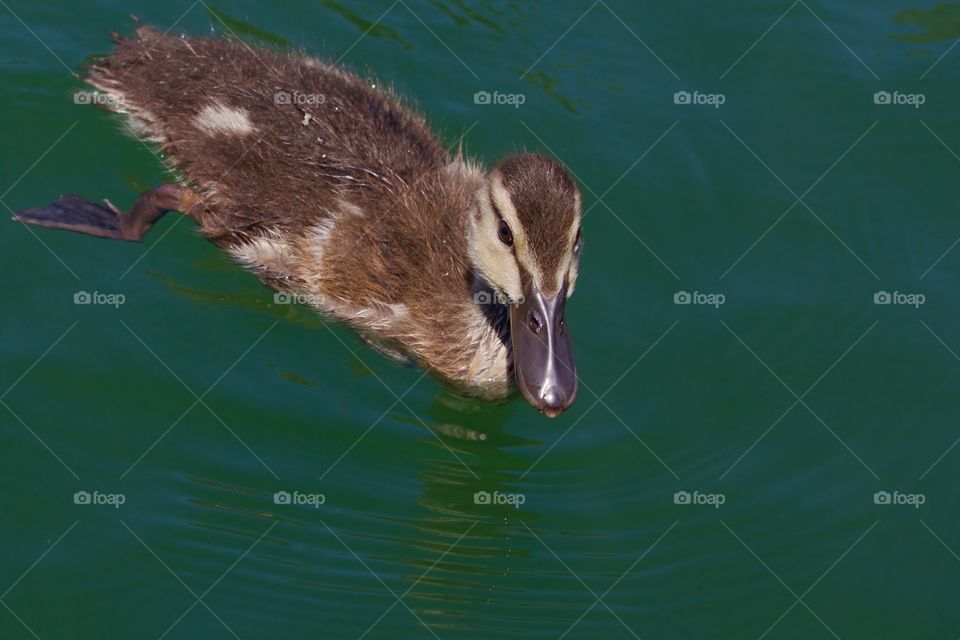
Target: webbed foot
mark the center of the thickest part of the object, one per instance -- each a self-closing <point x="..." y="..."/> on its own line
<point x="73" y="213"/>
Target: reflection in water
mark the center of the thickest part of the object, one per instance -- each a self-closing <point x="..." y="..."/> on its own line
<point x="367" y="27"/>
<point x="295" y="378"/>
<point x="236" y="27"/>
<point x="472" y="458"/>
<point x="470" y="15"/>
<point x="260" y="299"/>
<point x="940" y="23"/>
<point x="549" y="84"/>
<point x="451" y="559"/>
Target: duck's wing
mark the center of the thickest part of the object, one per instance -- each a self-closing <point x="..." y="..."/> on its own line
<point x="273" y="140"/>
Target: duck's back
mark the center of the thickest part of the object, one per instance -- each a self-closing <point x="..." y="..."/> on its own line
<point x="320" y="182"/>
<point x="272" y="138"/>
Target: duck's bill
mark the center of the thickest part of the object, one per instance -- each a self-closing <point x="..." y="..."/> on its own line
<point x="542" y="352"/>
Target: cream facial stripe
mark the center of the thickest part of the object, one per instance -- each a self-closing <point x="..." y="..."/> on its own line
<point x="500" y="197"/>
<point x="492" y="258"/>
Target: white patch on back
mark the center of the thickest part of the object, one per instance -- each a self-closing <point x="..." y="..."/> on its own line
<point x="219" y="118"/>
<point x="399" y="310"/>
<point x="375" y="315"/>
<point x="141" y="125"/>
<point x="139" y="122"/>
<point x="317" y="237"/>
<point x="266" y="253"/>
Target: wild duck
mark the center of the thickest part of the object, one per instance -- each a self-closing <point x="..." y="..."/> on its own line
<point x="331" y="189"/>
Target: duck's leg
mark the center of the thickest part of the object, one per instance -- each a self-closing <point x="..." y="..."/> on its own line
<point x="74" y="213"/>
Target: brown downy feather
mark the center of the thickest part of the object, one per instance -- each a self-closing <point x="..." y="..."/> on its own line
<point x="340" y="193"/>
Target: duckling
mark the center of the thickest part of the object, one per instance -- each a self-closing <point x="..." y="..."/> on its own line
<point x="332" y="189"/>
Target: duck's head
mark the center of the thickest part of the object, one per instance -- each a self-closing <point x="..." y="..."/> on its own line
<point x="524" y="237"/>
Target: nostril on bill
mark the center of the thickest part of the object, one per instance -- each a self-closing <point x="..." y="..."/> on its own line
<point x="535" y="322"/>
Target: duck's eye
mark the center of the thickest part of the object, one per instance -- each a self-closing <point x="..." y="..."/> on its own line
<point x="504" y="233"/>
<point x="578" y="243"/>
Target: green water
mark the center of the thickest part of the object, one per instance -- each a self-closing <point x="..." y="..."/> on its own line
<point x="792" y="403"/>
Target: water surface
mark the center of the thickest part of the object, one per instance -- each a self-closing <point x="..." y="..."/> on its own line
<point x="797" y="198"/>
